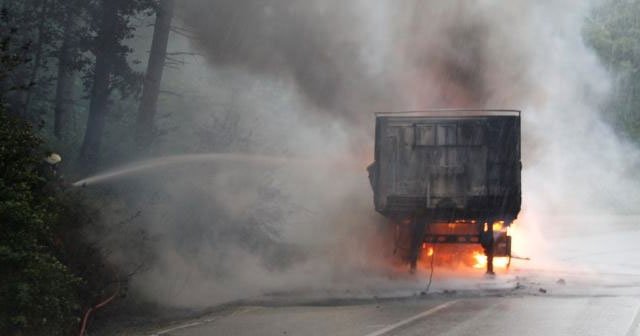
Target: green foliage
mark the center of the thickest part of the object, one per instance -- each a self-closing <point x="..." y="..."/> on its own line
<point x="43" y="261"/>
<point x="38" y="293"/>
<point x="613" y="30"/>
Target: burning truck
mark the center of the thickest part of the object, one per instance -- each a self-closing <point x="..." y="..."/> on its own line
<point x="448" y="177"/>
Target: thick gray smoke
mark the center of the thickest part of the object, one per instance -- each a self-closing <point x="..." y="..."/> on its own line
<point x="302" y="78"/>
<point x="323" y="47"/>
<point x="350" y="59"/>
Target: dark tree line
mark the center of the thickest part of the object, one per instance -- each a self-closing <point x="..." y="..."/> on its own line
<point x="613" y="30"/>
<point x="86" y="41"/>
<point x="58" y="57"/>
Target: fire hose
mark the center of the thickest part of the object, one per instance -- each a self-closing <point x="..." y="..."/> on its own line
<point x="85" y="319"/>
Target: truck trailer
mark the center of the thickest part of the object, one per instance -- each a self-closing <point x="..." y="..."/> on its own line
<point x="449" y="176"/>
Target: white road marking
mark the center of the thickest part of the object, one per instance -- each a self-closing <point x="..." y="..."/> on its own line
<point x="633" y="329"/>
<point x="182" y="326"/>
<point x="412" y="319"/>
<point x="197" y="323"/>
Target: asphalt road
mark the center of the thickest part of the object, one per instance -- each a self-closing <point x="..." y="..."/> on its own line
<point x="527" y="315"/>
<point x="561" y="298"/>
<point x="531" y="302"/>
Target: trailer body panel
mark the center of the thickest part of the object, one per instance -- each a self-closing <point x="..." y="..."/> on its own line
<point x="447" y="166"/>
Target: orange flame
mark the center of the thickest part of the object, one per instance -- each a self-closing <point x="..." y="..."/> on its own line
<point x="481" y="261"/>
<point x="460" y="256"/>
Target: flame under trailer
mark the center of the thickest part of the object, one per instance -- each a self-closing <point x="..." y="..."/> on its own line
<point x="449" y="176"/>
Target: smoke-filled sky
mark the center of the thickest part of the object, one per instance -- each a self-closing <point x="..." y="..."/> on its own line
<point x="349" y="59"/>
<point x="303" y="78"/>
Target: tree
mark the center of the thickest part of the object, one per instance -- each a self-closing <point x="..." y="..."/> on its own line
<point x="42" y="8"/>
<point x="111" y="70"/>
<point x="613" y="30"/>
<point x="64" y="82"/>
<point x="70" y="60"/>
<point x="37" y="23"/>
<point x="50" y="29"/>
<point x="23" y="24"/>
<point x="49" y="271"/>
<point x="104" y="51"/>
<point x="38" y="292"/>
<point x="155" y="69"/>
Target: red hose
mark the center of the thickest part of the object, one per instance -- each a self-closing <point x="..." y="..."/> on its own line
<point x="83" y="326"/>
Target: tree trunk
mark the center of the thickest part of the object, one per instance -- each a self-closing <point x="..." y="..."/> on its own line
<point x="105" y="47"/>
<point x="153" y="77"/>
<point x="64" y="80"/>
<point x="37" y="59"/>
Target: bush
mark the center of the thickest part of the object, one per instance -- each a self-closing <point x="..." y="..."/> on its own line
<point x="38" y="292"/>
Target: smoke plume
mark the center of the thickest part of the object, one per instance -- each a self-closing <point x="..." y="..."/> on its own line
<point x="302" y="78"/>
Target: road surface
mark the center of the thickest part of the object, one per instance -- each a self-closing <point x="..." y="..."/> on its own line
<point x="526" y="315"/>
<point x="593" y="288"/>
